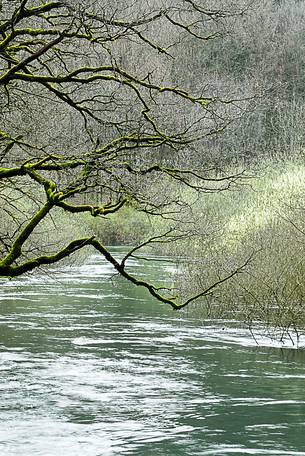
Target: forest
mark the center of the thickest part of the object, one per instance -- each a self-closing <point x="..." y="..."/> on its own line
<point x="167" y="126"/>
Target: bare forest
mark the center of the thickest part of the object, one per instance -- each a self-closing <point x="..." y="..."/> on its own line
<point x="173" y="126"/>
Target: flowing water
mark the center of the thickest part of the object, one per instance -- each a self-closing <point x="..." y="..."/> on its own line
<point x="92" y="366"/>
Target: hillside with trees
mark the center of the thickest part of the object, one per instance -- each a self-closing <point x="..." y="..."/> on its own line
<point x="159" y="123"/>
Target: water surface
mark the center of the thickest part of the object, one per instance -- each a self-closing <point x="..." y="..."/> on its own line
<point x="92" y="366"/>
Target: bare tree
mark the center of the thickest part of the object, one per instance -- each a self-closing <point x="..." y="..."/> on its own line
<point x="87" y="104"/>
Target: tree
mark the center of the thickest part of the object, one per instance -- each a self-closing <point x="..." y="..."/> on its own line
<point x="91" y="121"/>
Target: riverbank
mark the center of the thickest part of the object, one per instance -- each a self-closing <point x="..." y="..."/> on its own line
<point x="262" y="219"/>
<point x="263" y="222"/>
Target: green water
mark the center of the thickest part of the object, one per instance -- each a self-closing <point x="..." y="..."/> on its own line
<point x="91" y="366"/>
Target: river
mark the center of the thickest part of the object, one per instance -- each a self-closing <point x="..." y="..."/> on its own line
<point x="92" y="366"/>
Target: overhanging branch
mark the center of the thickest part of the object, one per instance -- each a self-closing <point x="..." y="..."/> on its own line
<point x="120" y="267"/>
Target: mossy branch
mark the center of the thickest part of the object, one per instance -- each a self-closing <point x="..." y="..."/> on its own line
<point x="23" y="13"/>
<point x="14" y="271"/>
<point x="16" y="248"/>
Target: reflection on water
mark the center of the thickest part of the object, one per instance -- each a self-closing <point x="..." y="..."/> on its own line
<point x="91" y="366"/>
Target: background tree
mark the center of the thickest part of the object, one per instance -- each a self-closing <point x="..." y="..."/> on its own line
<point x="265" y="54"/>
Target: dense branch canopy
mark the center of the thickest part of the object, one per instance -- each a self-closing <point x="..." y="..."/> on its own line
<point x="92" y="119"/>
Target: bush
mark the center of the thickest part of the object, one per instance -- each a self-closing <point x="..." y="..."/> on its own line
<point x="265" y="221"/>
